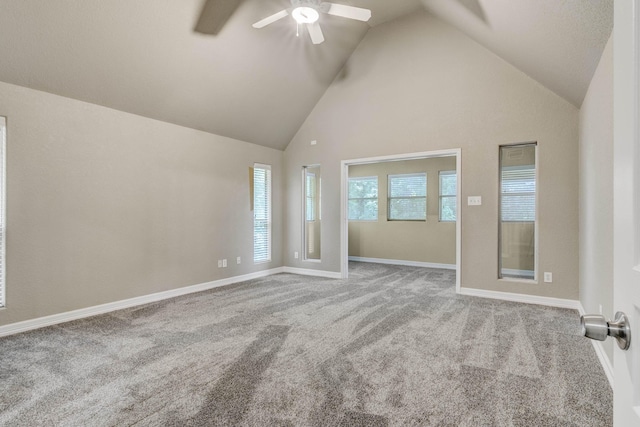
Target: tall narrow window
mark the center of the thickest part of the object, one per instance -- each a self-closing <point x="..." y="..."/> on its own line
<point x="310" y="195"/>
<point x="517" y="240"/>
<point x="312" y="182"/>
<point x="448" y="191"/>
<point x="408" y="197"/>
<point x="363" y="198"/>
<point x="3" y="144"/>
<point x="261" y="213"/>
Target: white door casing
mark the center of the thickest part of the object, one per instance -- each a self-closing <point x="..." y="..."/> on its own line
<point x="626" y="217"/>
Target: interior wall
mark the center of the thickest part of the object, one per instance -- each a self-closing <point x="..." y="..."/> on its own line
<point x="104" y="205"/>
<point x="430" y="241"/>
<point x="596" y="193"/>
<point x="417" y="84"/>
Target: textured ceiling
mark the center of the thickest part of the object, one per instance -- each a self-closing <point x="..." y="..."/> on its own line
<point x="556" y="42"/>
<point x="143" y="56"/>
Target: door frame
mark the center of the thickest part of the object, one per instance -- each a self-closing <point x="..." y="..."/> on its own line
<point x="344" y="201"/>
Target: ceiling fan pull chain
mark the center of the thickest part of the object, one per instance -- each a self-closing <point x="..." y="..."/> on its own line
<point x="297" y="29"/>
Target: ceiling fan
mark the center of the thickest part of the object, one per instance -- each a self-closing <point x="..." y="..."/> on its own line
<point x="215" y="14"/>
<point x="307" y="12"/>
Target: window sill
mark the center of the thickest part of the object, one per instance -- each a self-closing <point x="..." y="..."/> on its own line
<point x="517" y="280"/>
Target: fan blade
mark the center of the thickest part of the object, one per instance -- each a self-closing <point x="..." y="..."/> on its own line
<point x="271" y="19"/>
<point x="215" y="14"/>
<point x="350" y="12"/>
<point x="315" y="32"/>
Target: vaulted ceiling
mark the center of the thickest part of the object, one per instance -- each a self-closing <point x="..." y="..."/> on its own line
<point x="144" y="56"/>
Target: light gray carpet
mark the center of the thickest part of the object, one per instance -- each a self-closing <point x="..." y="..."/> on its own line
<point x="390" y="346"/>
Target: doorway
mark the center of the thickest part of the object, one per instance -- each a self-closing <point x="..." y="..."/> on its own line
<point x="344" y="200"/>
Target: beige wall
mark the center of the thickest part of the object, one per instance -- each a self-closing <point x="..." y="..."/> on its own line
<point x="416" y="84"/>
<point x="596" y="193"/>
<point x="423" y="241"/>
<point x="103" y="205"/>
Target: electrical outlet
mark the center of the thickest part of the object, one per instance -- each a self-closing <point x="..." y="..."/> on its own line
<point x="238" y="260"/>
<point x="224" y="263"/>
<point x="548" y="277"/>
<point x="295" y="254"/>
<point x="600" y="308"/>
<point x="219" y="263"/>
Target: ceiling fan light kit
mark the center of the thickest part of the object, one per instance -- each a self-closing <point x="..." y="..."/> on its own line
<point x="307" y="12"/>
<point x="305" y="15"/>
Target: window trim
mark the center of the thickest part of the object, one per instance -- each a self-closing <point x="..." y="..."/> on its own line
<point x="441" y="196"/>
<point x="269" y="219"/>
<point x="390" y="198"/>
<point x="377" y="198"/>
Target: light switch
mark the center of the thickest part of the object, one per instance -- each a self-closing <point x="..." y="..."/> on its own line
<point x="474" y="200"/>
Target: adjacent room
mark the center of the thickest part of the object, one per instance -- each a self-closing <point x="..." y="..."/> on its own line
<point x="295" y="212"/>
<point x="403" y="212"/>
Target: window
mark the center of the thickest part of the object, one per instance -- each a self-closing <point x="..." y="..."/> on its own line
<point x="363" y="198"/>
<point x="3" y="143"/>
<point x="312" y="183"/>
<point x="518" y="193"/>
<point x="261" y="213"/>
<point x="448" y="191"/>
<point x="310" y="196"/>
<point x="517" y="231"/>
<point x="408" y="197"/>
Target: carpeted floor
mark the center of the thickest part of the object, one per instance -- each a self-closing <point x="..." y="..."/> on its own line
<point x="389" y="346"/>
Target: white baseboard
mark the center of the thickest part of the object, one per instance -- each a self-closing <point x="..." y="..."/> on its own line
<point x="401" y="262"/>
<point x="552" y="302"/>
<point x="54" y="319"/>
<point x="602" y="355"/>
<point x="310" y="272"/>
<point x="527" y="299"/>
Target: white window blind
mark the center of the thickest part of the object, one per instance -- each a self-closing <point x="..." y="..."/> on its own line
<point x="3" y="143"/>
<point x="518" y="193"/>
<point x="448" y="191"/>
<point x="310" y="190"/>
<point x="363" y="198"/>
<point x="261" y="213"/>
<point x="408" y="197"/>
